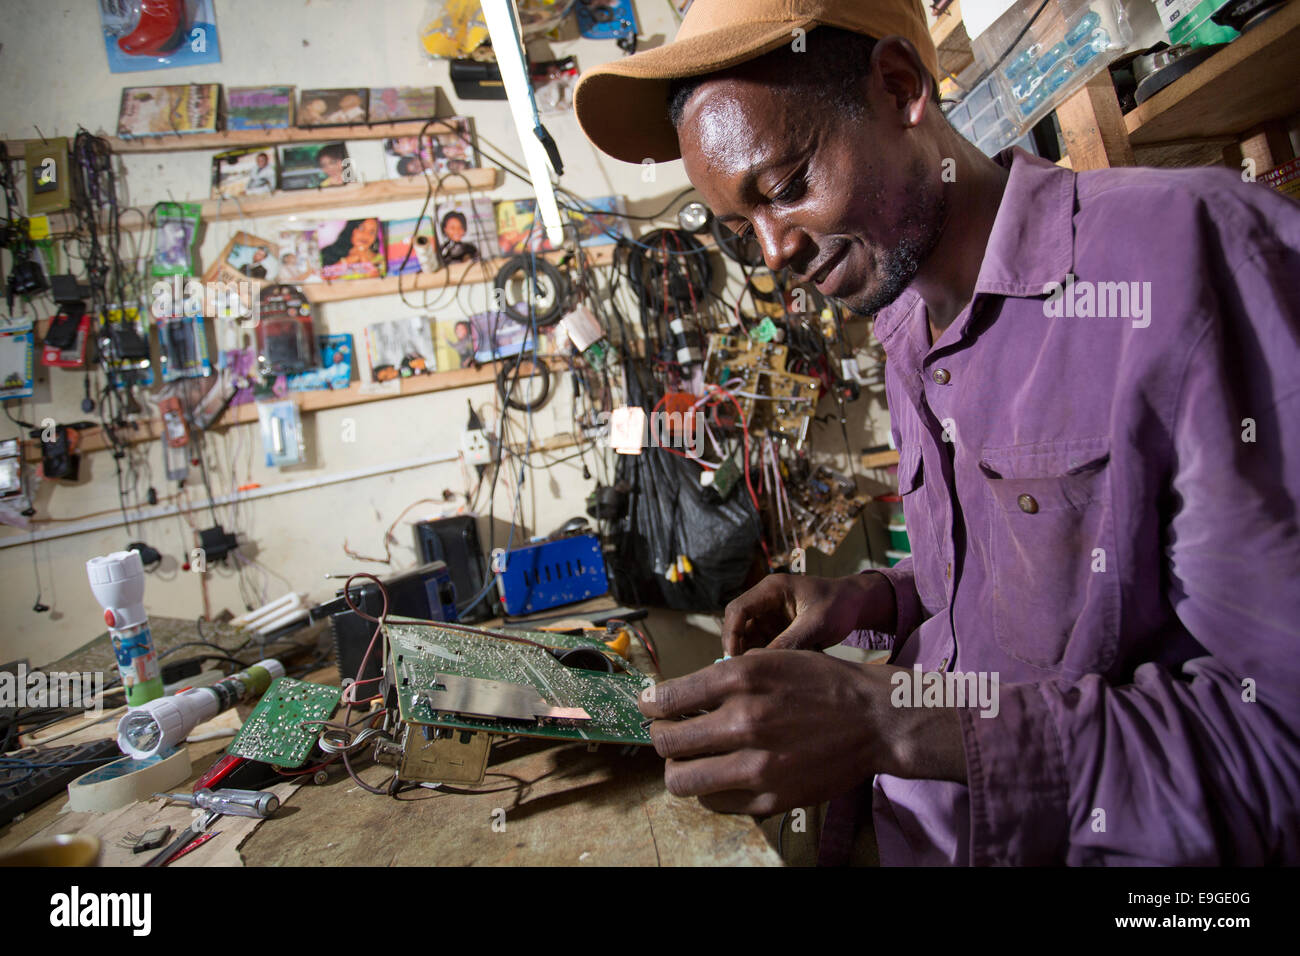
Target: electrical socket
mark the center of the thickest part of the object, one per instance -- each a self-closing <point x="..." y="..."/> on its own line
<point x="477" y="447"/>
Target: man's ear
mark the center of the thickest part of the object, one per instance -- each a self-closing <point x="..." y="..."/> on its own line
<point x="905" y="82"/>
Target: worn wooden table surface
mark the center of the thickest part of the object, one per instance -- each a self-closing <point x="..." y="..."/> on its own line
<point x="540" y="804"/>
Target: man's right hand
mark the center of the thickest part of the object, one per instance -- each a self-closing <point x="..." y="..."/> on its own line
<point x="798" y="612"/>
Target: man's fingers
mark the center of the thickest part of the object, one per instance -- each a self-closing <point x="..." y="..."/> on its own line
<point x="703" y="690"/>
<point x="700" y="776"/>
<point x="718" y="732"/>
<point x="806" y="632"/>
<point x="747" y="621"/>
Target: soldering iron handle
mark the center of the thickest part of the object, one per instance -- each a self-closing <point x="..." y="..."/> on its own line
<point x="239" y="803"/>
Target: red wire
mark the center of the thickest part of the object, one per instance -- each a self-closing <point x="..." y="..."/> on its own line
<point x="745" y="427"/>
<point x="379" y="624"/>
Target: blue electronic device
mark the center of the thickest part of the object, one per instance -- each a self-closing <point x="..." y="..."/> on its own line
<point x="606" y="19"/>
<point x="552" y="573"/>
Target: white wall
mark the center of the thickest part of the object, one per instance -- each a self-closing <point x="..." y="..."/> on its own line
<point x="53" y="74"/>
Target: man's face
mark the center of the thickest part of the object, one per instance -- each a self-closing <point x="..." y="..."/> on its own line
<point x="453" y="230"/>
<point x="851" y="204"/>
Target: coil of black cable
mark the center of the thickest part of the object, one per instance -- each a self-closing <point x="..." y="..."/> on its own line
<point x="533" y="268"/>
<point x="508" y="377"/>
<point x="689" y="272"/>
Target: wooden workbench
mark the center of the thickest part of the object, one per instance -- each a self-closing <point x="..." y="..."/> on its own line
<point x="541" y="804"/>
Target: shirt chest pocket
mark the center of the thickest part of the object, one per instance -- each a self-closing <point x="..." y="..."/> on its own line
<point x="1051" y="545"/>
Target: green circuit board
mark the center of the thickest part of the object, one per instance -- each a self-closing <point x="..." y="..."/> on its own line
<point x="273" y="733"/>
<point x="428" y="659"/>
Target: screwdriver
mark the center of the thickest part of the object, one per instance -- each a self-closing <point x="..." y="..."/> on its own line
<point x="235" y="803"/>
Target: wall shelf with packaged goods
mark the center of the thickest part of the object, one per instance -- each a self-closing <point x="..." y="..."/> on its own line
<point x="233" y="139"/>
<point x="294" y="201"/>
<point x="357" y="393"/>
<point x="1234" y="104"/>
<point x="1254" y="79"/>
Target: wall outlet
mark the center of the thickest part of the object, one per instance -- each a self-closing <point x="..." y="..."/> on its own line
<point x="477" y="447"/>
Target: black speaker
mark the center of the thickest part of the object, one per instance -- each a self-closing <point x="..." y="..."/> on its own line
<point x="455" y="542"/>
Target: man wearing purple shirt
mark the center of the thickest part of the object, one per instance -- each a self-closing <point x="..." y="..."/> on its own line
<point x="1094" y="385"/>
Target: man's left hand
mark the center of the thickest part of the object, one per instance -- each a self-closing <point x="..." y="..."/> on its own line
<point x="783" y="729"/>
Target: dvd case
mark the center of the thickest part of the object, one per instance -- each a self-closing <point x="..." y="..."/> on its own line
<point x="466" y="230"/>
<point x="243" y="172"/>
<point x="481" y="338"/>
<point x="259" y="107"/>
<point x="400" y="348"/>
<point x="335" y="370"/>
<point x="340" y="107"/>
<point x="351" y="249"/>
<point x="300" y="254"/>
<point x="411" y="249"/>
<point x="162" y="110"/>
<point x="448" y="147"/>
<point x="517" y="230"/>
<point x="315" y="165"/>
<point x="391" y="103"/>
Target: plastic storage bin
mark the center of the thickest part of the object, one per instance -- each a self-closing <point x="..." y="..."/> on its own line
<point x="1067" y="44"/>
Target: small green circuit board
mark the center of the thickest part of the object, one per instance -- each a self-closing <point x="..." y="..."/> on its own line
<point x="423" y="652"/>
<point x="273" y="732"/>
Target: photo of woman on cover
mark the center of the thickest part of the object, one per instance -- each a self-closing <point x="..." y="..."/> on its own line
<point x="357" y="252"/>
<point x="333" y="162"/>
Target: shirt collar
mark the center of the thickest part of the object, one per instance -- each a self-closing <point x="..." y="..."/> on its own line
<point x="1030" y="246"/>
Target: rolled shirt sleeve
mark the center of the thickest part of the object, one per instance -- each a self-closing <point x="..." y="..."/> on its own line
<point x="909" y="611"/>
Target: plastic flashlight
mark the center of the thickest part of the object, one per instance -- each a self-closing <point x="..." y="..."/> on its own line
<point x="164" y="723"/>
<point x="117" y="581"/>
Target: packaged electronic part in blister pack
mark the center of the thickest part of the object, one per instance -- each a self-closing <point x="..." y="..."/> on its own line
<point x="286" y="342"/>
<point x="176" y="227"/>
<point x="176" y="456"/>
<point x="281" y="429"/>
<point x="124" y="345"/>
<point x="1065" y="45"/>
<point x="183" y="347"/>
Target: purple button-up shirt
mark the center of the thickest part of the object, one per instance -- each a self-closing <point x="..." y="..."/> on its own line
<point x="1100" y="486"/>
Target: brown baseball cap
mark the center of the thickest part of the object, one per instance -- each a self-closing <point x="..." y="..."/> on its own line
<point x="623" y="106"/>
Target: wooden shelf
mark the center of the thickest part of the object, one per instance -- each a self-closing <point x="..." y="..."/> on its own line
<point x="1256" y="78"/>
<point x="294" y="201"/>
<point x="355" y="395"/>
<point x="467" y="273"/>
<point x="233" y="139"/>
<point x="305" y="200"/>
<point x="92" y="439"/>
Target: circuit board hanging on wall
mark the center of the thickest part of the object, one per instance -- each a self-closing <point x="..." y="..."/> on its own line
<point x="774" y="402"/>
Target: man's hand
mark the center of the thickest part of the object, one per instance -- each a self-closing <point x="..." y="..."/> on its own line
<point x="794" y="611"/>
<point x="785" y="729"/>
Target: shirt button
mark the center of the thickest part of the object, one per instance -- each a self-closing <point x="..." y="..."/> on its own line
<point x="943" y="664"/>
<point x="941" y="376"/>
<point x="1027" y="504"/>
<point x="947" y="571"/>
